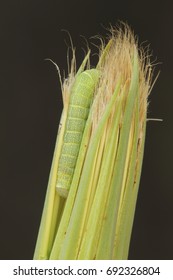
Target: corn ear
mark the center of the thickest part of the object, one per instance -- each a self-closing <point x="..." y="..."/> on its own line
<point x="95" y="220"/>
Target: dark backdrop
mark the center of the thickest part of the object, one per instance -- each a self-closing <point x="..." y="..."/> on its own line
<point x="31" y="104"/>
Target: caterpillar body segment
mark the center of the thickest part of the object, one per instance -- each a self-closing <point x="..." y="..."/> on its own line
<point x="78" y="110"/>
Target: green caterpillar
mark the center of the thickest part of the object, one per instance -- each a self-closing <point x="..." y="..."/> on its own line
<point x="79" y="106"/>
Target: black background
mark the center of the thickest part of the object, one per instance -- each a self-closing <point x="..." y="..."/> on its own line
<point x="31" y="104"/>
